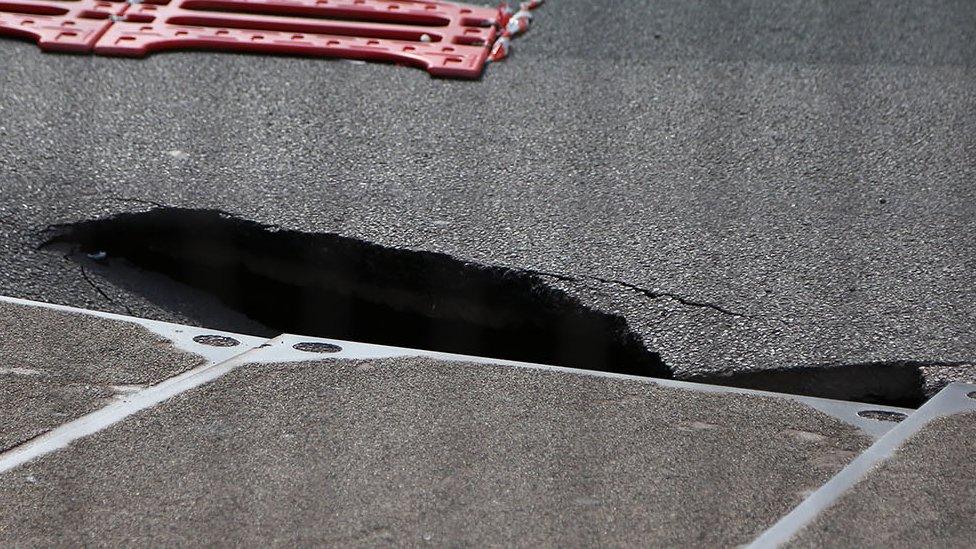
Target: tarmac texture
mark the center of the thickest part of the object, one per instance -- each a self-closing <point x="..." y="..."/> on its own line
<point x="799" y="174"/>
<point x="408" y="451"/>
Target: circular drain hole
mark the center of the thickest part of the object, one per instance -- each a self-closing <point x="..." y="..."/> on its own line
<point x="216" y="340"/>
<point x="314" y="347"/>
<point x="882" y="415"/>
<point x="972" y="395"/>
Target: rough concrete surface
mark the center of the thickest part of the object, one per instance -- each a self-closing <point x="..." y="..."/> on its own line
<point x="806" y="166"/>
<point x="924" y="496"/>
<point x="407" y="451"/>
<point x="56" y="366"/>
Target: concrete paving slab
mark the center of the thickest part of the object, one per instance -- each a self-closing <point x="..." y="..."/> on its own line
<point x="370" y="445"/>
<point x="58" y="363"/>
<point x="915" y="487"/>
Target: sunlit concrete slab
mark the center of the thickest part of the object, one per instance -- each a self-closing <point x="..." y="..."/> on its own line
<point x="315" y="441"/>
<point x="58" y="364"/>
<point x="915" y="487"/>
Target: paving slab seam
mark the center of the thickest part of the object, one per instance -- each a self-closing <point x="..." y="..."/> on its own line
<point x="951" y="400"/>
<point x="181" y="336"/>
<point x="64" y="435"/>
<point x="281" y="350"/>
<point x="844" y="410"/>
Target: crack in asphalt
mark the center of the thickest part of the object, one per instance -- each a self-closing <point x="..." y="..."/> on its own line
<point x="118" y="198"/>
<point x="676" y="297"/>
<point x="133" y="200"/>
<point x="258" y="247"/>
<point x="652" y="294"/>
<point x="137" y="201"/>
<point x="88" y="279"/>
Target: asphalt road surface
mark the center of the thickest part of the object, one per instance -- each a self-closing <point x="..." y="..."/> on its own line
<point x="800" y="174"/>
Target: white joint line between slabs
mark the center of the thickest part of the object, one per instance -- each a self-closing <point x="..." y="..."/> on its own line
<point x="63" y="436"/>
<point x="281" y="350"/>
<point x="952" y="400"/>
<point x="181" y="336"/>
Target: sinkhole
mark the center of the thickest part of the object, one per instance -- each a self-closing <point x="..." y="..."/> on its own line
<point x="331" y="286"/>
<point x="241" y="276"/>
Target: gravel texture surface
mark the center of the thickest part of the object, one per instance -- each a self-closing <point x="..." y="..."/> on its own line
<point x="806" y="167"/>
<point x="410" y="451"/>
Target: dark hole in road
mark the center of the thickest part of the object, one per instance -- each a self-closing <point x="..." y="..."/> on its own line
<point x="241" y="276"/>
<point x="893" y="383"/>
<point x="337" y="287"/>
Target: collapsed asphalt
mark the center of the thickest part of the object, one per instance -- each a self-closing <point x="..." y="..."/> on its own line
<point x="343" y="288"/>
<point x="794" y="182"/>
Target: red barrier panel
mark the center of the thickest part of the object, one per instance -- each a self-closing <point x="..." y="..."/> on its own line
<point x="72" y="26"/>
<point x="445" y="38"/>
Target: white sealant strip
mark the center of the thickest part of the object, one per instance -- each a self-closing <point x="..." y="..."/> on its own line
<point x="953" y="399"/>
<point x="256" y="350"/>
<point x="181" y="336"/>
<point x="63" y="436"/>
<point x="282" y="350"/>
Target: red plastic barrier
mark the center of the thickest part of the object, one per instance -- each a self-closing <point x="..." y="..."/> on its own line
<point x="445" y="38"/>
<point x="72" y="26"/>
